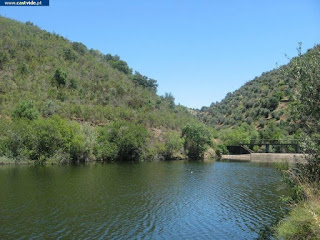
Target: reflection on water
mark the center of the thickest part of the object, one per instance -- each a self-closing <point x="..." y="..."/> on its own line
<point x="162" y="200"/>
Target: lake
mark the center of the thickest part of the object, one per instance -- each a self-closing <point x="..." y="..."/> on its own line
<point x="152" y="200"/>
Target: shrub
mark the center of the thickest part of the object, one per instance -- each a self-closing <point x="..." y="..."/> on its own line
<point x="221" y="149"/>
<point x="197" y="140"/>
<point x="120" y="65"/>
<point x="262" y="122"/>
<point x="73" y="83"/>
<point x="56" y="134"/>
<point x="23" y="68"/>
<point x="49" y="108"/>
<point x="173" y="143"/>
<point x="60" y="76"/>
<point x="144" y="81"/>
<point x="26" y="109"/>
<point x="70" y="54"/>
<point x="122" y="141"/>
<point x="104" y="149"/>
<point x="15" y="139"/>
<point x="79" y="47"/>
<point x="43" y="140"/>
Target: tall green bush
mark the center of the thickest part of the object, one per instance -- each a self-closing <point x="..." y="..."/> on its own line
<point x="26" y="109"/>
<point x="60" y="76"/>
<point x="173" y="143"/>
<point x="123" y="141"/>
<point x="197" y="140"/>
<point x="43" y="140"/>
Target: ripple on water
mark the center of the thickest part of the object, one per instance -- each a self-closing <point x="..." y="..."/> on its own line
<point x="167" y="200"/>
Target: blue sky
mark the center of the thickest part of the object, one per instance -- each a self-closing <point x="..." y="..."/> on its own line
<point x="199" y="50"/>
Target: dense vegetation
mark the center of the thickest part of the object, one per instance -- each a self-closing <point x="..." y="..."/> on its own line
<point x="264" y="108"/>
<point x="304" y="219"/>
<point x="256" y="102"/>
<point x="197" y="140"/>
<point x="61" y="102"/>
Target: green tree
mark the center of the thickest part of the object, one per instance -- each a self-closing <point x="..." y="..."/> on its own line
<point x="122" y="141"/>
<point x="79" y="47"/>
<point x="120" y="65"/>
<point x="241" y="134"/>
<point x="145" y="82"/>
<point x="26" y="109"/>
<point x="306" y="70"/>
<point x="173" y="143"/>
<point x="60" y="76"/>
<point x="271" y="132"/>
<point x="197" y="140"/>
<point x="168" y="97"/>
<point x="43" y="140"/>
<point x="56" y="134"/>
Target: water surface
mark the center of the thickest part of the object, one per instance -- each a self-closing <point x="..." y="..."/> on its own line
<point x="162" y="200"/>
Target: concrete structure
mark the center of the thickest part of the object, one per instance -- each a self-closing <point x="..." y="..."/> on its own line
<point x="267" y="157"/>
<point x="245" y="146"/>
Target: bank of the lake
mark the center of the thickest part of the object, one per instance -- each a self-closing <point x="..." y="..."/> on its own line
<point x="302" y="222"/>
<point x="176" y="199"/>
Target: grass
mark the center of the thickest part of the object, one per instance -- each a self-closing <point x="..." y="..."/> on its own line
<point x="303" y="221"/>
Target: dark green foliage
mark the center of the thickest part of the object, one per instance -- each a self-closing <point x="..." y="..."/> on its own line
<point x="42" y="140"/>
<point x="56" y="134"/>
<point x="169" y="98"/>
<point x="120" y="65"/>
<point x="79" y="47"/>
<point x="173" y="143"/>
<point x="26" y="109"/>
<point x="121" y="141"/>
<point x="23" y="68"/>
<point x="105" y="150"/>
<point x="221" y="149"/>
<point x="262" y="123"/>
<point x="73" y="83"/>
<point x="70" y="54"/>
<point x="197" y="140"/>
<point x="264" y="112"/>
<point x="60" y="76"/>
<point x="306" y="112"/>
<point x="272" y="131"/>
<point x="145" y="82"/>
<point x="271" y="103"/>
<point x="15" y="139"/>
<point x="28" y="23"/>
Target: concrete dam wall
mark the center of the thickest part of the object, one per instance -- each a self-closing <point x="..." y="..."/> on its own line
<point x="268" y="157"/>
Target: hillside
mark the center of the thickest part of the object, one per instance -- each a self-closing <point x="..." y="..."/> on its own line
<point x="265" y="99"/>
<point x="46" y="79"/>
<point x="66" y="78"/>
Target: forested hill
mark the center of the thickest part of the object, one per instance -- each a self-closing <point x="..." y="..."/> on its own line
<point x="261" y="101"/>
<point x="65" y="78"/>
<point x="62" y="102"/>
